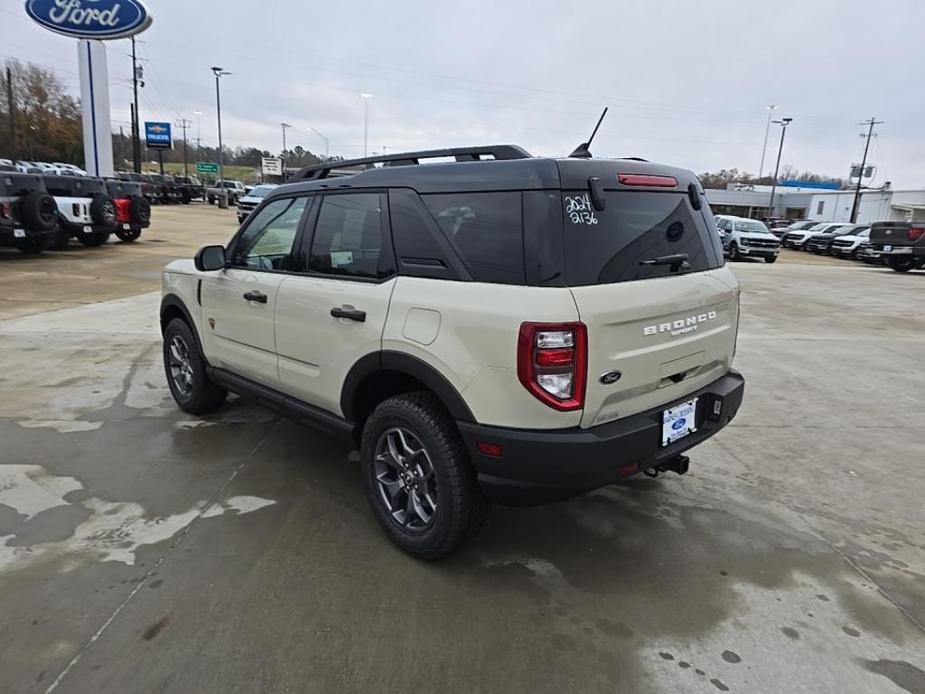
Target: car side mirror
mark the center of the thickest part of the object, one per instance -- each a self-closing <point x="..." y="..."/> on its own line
<point x="210" y="258"/>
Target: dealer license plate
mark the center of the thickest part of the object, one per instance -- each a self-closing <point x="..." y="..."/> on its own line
<point x="679" y="421"/>
<point x="19" y="233"/>
<point x="126" y="226"/>
<point x="888" y="248"/>
<point x="88" y="229"/>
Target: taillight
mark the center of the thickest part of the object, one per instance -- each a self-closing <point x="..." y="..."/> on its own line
<point x="552" y="363"/>
<point x="76" y="209"/>
<point x="647" y="180"/>
<point x="6" y="210"/>
<point x="915" y="233"/>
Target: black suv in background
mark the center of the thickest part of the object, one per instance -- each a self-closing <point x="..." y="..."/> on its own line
<point x="822" y="243"/>
<point x="28" y="214"/>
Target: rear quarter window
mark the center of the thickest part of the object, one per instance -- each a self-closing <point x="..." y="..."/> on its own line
<point x="486" y="230"/>
<point x="608" y="246"/>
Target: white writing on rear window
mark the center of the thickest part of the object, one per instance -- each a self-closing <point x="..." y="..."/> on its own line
<point x="579" y="210"/>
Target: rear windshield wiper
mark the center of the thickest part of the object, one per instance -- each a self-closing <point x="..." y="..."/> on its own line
<point x="677" y="261"/>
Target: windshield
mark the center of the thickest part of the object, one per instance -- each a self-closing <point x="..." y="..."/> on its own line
<point x="614" y="245"/>
<point x="260" y="191"/>
<point x="750" y="225"/>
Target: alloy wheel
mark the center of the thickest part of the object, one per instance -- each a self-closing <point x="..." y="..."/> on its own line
<point x="405" y="479"/>
<point x="181" y="368"/>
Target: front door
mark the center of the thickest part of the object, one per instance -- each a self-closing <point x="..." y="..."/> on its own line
<point x="238" y="302"/>
<point x="334" y="314"/>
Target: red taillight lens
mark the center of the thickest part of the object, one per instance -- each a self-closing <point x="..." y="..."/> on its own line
<point x="75" y="208"/>
<point x="552" y="363"/>
<point x="647" y="180"/>
<point x="6" y="210"/>
<point x="915" y="233"/>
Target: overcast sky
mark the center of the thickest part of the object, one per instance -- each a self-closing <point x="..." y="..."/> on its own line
<point x="687" y="82"/>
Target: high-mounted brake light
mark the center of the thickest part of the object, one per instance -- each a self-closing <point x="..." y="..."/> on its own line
<point x="650" y="180"/>
<point x="552" y="363"/>
<point x="915" y="233"/>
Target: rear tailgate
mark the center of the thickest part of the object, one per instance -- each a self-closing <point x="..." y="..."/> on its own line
<point x="897" y="234"/>
<point x="667" y="337"/>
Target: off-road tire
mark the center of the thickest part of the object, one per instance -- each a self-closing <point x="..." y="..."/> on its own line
<point x="461" y="510"/>
<point x="32" y="245"/>
<point x="95" y="239"/>
<point x="103" y="210"/>
<point x="140" y="210"/>
<point x="39" y="211"/>
<point x="61" y="240"/>
<point x="204" y="395"/>
<point x="128" y="235"/>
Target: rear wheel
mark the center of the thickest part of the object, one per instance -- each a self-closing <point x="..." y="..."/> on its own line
<point x="95" y="239"/>
<point x="419" y="481"/>
<point x="128" y="235"/>
<point x="900" y="263"/>
<point x="31" y="246"/>
<point x="186" y="373"/>
<point x="60" y="240"/>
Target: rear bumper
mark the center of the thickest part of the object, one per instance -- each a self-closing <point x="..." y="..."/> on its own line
<point x="9" y="234"/>
<point x="540" y="466"/>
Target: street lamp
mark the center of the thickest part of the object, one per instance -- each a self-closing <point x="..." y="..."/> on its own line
<point x="223" y="192"/>
<point x="783" y="123"/>
<point x="764" y="148"/>
<point x="366" y="97"/>
<point x="283" y="157"/>
<point x="327" y="143"/>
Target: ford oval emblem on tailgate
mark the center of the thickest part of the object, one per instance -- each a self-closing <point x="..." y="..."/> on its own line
<point x="610" y="377"/>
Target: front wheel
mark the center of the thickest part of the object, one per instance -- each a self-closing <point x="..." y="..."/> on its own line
<point x="900" y="263"/>
<point x="185" y="368"/>
<point x="419" y="481"/>
<point x="93" y="240"/>
<point x="734" y="254"/>
<point x="771" y="259"/>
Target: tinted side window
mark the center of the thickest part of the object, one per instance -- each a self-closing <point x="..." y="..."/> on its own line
<point x="419" y="246"/>
<point x="487" y="231"/>
<point x="348" y="237"/>
<point x="266" y="243"/>
<point x="636" y="227"/>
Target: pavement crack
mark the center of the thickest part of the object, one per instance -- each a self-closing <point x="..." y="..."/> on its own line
<point x="158" y="563"/>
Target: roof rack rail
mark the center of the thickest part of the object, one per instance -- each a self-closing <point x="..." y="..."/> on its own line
<point x="498" y="152"/>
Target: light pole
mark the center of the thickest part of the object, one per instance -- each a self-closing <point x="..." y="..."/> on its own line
<point x="764" y="148"/>
<point x="366" y="97"/>
<point x="283" y="158"/>
<point x="198" y="115"/>
<point x="223" y="192"/>
<point x="783" y="123"/>
<point x="327" y="143"/>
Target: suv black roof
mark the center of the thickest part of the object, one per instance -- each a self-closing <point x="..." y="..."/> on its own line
<point x="12" y="184"/>
<point x="509" y="168"/>
<point x="75" y="186"/>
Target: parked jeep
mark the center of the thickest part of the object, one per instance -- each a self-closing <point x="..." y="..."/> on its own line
<point x="499" y="328"/>
<point x="133" y="211"/>
<point x="28" y="216"/>
<point x="85" y="210"/>
<point x="902" y="243"/>
<point x="236" y="191"/>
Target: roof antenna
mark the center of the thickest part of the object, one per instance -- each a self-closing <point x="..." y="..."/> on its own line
<point x="582" y="151"/>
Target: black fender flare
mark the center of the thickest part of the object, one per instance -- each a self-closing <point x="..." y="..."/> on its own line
<point x="388" y="360"/>
<point x="174" y="301"/>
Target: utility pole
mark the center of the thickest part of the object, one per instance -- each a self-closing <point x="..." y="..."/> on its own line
<point x="121" y="147"/>
<point x="136" y="130"/>
<point x="783" y="123"/>
<point x="12" y="109"/>
<point x="223" y="191"/>
<point x="857" y="191"/>
<point x="184" y="124"/>
<point x="282" y="164"/>
<point x="198" y="136"/>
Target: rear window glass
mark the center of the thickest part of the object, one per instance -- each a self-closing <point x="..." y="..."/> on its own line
<point x="613" y="245"/>
<point x="487" y="231"/>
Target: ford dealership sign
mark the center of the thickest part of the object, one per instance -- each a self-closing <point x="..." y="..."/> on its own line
<point x="91" y="19"/>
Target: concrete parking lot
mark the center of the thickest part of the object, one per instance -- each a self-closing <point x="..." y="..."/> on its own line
<point x="144" y="550"/>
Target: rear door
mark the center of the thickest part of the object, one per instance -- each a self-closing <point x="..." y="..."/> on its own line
<point x="332" y="315"/>
<point x="238" y="301"/>
<point x="667" y="330"/>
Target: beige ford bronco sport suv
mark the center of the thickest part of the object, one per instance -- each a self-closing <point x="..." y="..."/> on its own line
<point x="495" y="328"/>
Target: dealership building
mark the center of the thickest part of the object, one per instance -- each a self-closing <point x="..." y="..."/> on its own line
<point x="802" y="200"/>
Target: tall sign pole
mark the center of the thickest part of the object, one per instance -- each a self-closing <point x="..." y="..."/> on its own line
<point x="91" y="22"/>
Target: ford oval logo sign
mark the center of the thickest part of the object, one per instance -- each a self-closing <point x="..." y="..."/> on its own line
<point x="91" y="19"/>
<point x="679" y="424"/>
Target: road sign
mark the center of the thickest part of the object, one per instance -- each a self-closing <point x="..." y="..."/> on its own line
<point x="272" y="166"/>
<point x="157" y="135"/>
<point x="206" y="167"/>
